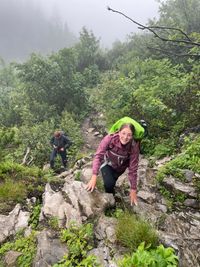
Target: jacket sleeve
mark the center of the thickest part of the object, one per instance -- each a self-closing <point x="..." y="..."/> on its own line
<point x="52" y="141"/>
<point x="99" y="155"/>
<point x="67" y="142"/>
<point x="133" y="165"/>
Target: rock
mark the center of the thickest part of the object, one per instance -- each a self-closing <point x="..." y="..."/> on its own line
<point x="105" y="229"/>
<point x="122" y="181"/>
<point x="65" y="174"/>
<point x="96" y="133"/>
<point x="172" y="185"/>
<point x="193" y="203"/>
<point x="143" y="163"/>
<point x="147" y="196"/>
<point x="161" y="207"/>
<point x="10" y="259"/>
<point x="102" y="254"/>
<point x="74" y="203"/>
<point x="182" y="231"/>
<point x="50" y="250"/>
<point x="90" y="130"/>
<point x="16" y="220"/>
<point x="86" y="203"/>
<point x="86" y="174"/>
<point x="162" y="161"/>
<point x="54" y="205"/>
<point x="188" y="175"/>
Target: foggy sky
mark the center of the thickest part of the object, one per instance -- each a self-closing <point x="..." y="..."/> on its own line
<point x="93" y="14"/>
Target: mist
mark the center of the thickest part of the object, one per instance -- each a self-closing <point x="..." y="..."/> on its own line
<point x="93" y="14"/>
<point x="45" y="26"/>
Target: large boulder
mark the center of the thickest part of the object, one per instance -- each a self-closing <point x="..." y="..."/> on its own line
<point x="74" y="203"/>
<point x="10" y="224"/>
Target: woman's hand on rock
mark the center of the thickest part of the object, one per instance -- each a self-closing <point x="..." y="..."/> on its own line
<point x="92" y="183"/>
<point x="133" y="197"/>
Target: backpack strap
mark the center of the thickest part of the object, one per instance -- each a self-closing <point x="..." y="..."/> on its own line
<point x="120" y="158"/>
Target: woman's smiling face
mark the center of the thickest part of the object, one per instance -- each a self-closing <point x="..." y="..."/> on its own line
<point x="125" y="135"/>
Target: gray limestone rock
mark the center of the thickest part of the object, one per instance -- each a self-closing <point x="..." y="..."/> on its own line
<point x="10" y="224"/>
<point x="50" y="250"/>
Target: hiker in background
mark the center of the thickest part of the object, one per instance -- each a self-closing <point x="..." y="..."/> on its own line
<point x="117" y="152"/>
<point x="60" y="143"/>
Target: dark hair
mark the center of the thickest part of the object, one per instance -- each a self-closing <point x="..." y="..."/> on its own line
<point x="128" y="125"/>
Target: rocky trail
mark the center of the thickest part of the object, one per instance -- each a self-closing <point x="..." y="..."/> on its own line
<point x="91" y="136"/>
<point x="178" y="227"/>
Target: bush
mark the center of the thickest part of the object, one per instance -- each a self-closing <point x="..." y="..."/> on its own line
<point x="12" y="191"/>
<point x="25" y="245"/>
<point x="17" y="182"/>
<point x="188" y="159"/>
<point x="71" y="128"/>
<point x="78" y="240"/>
<point x="159" y="257"/>
<point x="162" y="150"/>
<point x="135" y="232"/>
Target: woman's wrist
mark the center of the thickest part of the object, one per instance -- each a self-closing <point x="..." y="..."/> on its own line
<point x="133" y="190"/>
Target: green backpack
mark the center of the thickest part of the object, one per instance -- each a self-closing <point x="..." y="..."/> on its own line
<point x="139" y="130"/>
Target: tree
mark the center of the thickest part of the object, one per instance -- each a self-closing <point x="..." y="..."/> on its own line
<point x="178" y="42"/>
<point x="87" y="49"/>
<point x="184" y="14"/>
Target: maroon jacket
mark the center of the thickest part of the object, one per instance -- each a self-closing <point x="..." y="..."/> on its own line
<point x="120" y="157"/>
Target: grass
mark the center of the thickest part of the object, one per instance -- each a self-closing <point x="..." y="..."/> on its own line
<point x="12" y="191"/>
<point x="17" y="182"/>
<point x="132" y="230"/>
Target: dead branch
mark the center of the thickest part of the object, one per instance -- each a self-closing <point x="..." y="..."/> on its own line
<point x="153" y="29"/>
<point x="29" y="162"/>
<point x="26" y="155"/>
<point x="169" y="53"/>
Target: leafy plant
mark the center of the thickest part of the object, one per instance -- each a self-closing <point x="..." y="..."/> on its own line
<point x="78" y="176"/>
<point x="53" y="223"/>
<point x="78" y="240"/>
<point x="34" y="217"/>
<point x="162" y="150"/>
<point x="188" y="159"/>
<point x="158" y="257"/>
<point x="25" y="245"/>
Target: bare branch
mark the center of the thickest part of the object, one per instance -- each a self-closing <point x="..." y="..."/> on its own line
<point x="29" y="162"/>
<point x="171" y="28"/>
<point x="26" y="155"/>
<point x="153" y="29"/>
<point x="172" y="53"/>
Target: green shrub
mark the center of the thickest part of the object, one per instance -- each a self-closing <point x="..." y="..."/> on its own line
<point x="25" y="245"/>
<point x="158" y="257"/>
<point x="17" y="182"/>
<point x="79" y="242"/>
<point x="78" y="176"/>
<point x="135" y="232"/>
<point x="72" y="128"/>
<point x="8" y="138"/>
<point x="53" y="223"/>
<point x="34" y="217"/>
<point x="162" y="150"/>
<point x="188" y="159"/>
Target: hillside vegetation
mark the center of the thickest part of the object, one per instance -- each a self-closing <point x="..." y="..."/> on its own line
<point x="144" y="78"/>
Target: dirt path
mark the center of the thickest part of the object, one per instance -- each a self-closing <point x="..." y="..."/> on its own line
<point x="91" y="136"/>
